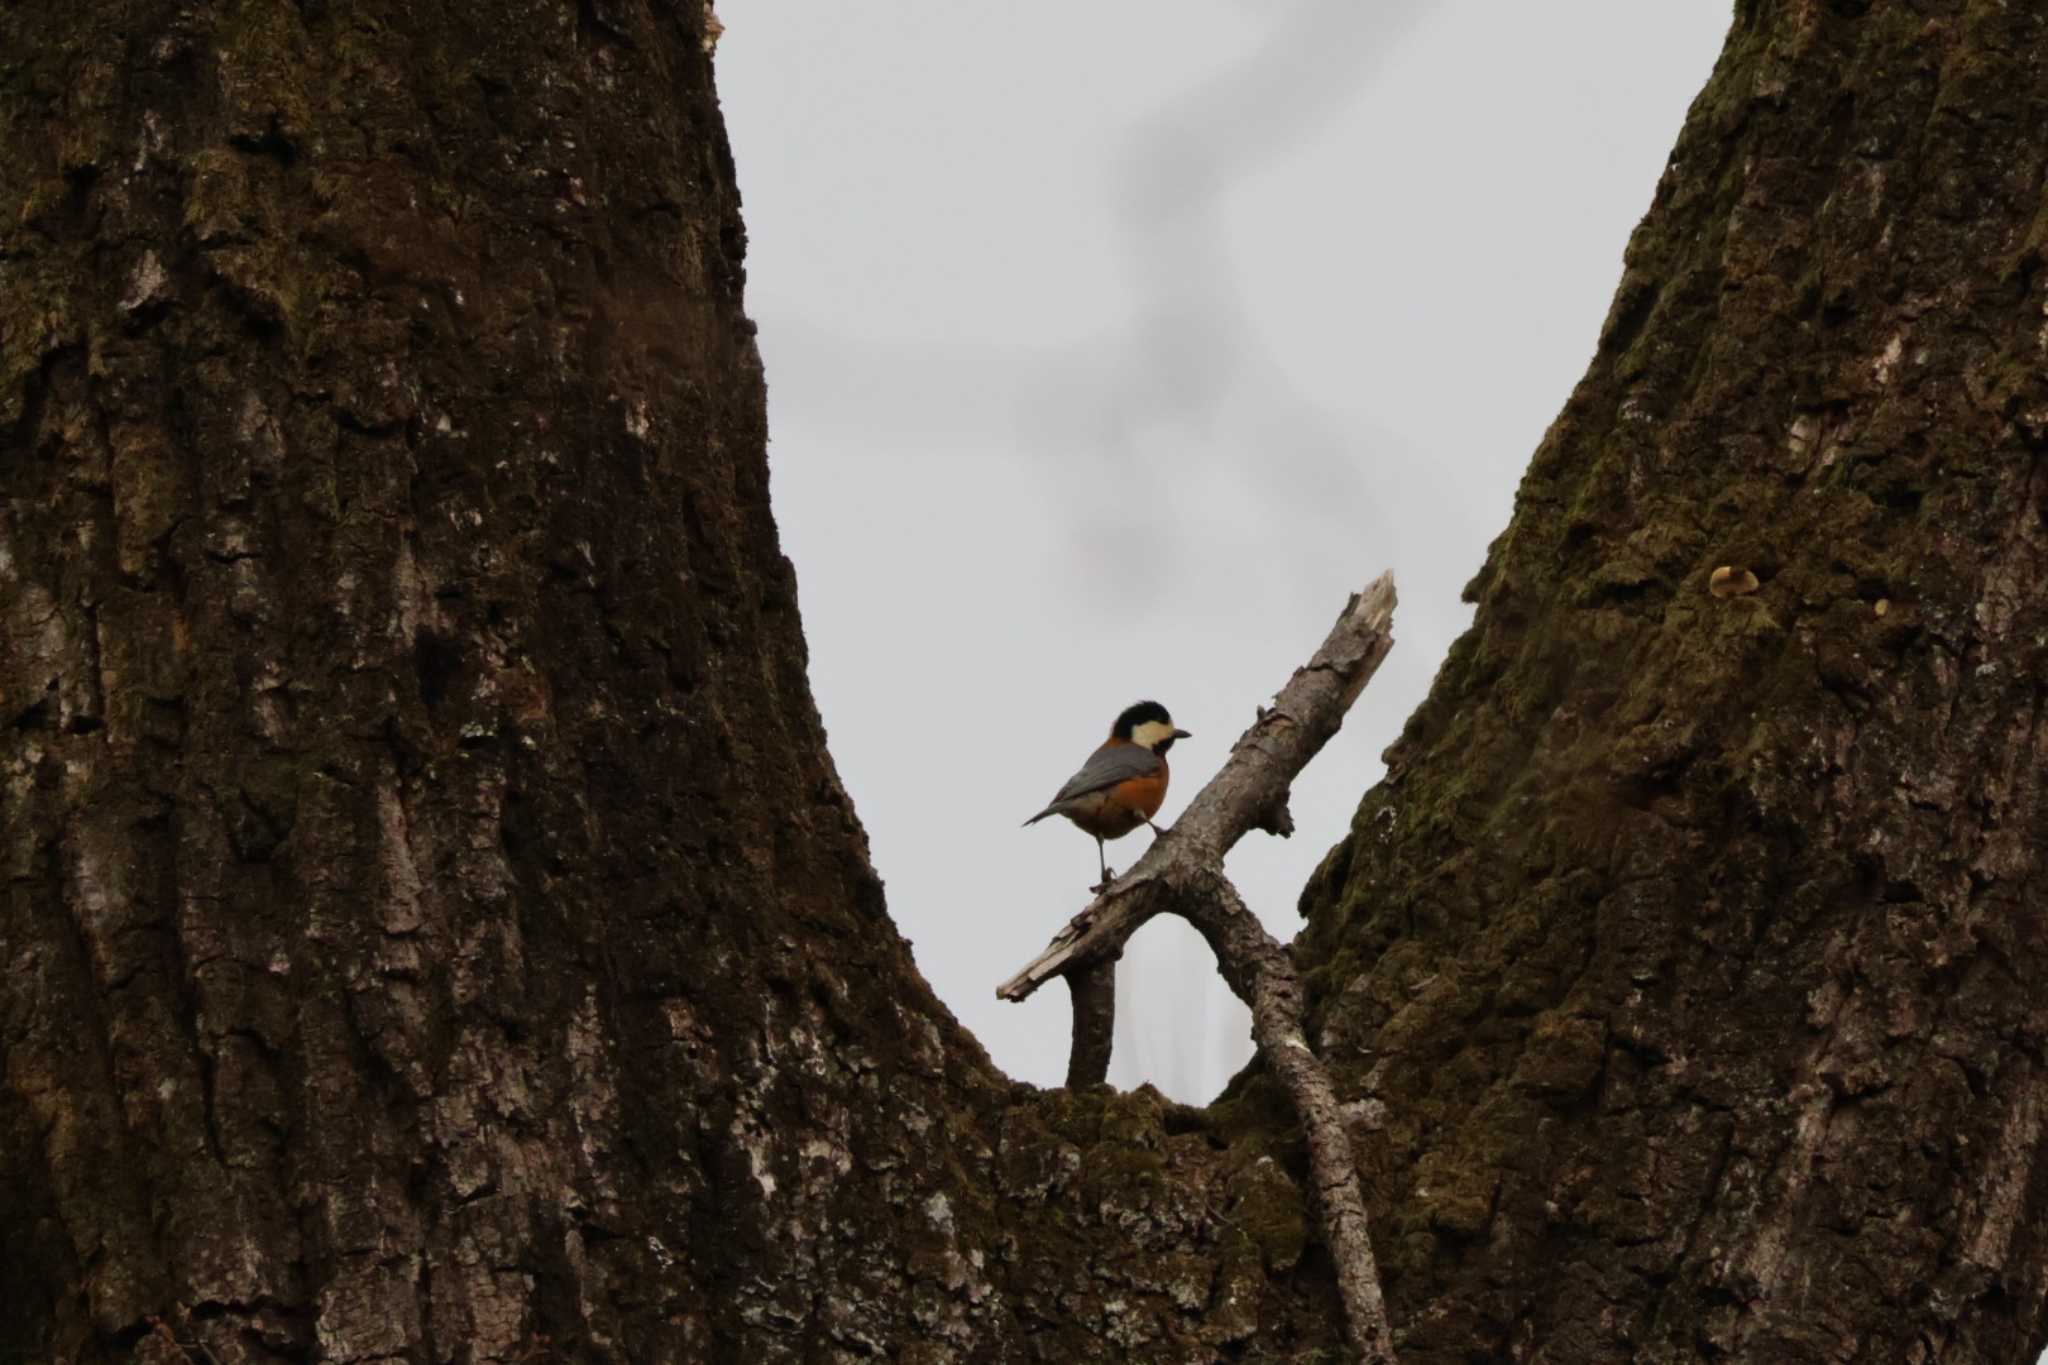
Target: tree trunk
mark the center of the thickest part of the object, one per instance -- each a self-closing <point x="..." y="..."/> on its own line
<point x="436" y="931"/>
<point x="1685" y="969"/>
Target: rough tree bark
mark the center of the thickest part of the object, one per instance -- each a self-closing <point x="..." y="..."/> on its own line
<point x="435" y="930"/>
<point x="1686" y="968"/>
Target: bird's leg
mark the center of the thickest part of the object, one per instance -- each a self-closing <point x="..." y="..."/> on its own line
<point x="1101" y="862"/>
<point x="1156" y="831"/>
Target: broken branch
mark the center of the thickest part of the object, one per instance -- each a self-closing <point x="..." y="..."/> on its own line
<point x="1182" y="873"/>
<point x="1249" y="793"/>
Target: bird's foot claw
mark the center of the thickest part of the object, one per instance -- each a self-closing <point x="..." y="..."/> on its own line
<point x="1103" y="885"/>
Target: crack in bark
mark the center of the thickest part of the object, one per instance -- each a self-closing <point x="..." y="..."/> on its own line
<point x="1182" y="873"/>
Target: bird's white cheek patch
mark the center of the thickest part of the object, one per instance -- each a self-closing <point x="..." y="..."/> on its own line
<point x="1151" y="732"/>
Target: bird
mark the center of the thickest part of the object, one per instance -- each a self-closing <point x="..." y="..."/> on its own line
<point x="1121" y="785"/>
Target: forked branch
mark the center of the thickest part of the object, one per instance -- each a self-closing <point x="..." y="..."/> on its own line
<point x="1182" y="873"/>
<point x="1249" y="793"/>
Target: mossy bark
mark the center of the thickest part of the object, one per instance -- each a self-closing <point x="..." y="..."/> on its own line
<point x="435" y="930"/>
<point x="1686" y="968"/>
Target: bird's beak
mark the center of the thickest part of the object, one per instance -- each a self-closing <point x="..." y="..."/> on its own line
<point x="1182" y="734"/>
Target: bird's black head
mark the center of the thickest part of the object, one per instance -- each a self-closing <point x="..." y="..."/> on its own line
<point x="1148" y="724"/>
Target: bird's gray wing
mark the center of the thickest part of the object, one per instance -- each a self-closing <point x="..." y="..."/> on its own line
<point x="1107" y="766"/>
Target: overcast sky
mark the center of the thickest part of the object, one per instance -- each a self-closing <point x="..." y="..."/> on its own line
<point x="1109" y="348"/>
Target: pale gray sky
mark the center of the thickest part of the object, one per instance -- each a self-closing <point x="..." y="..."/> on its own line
<point x="1108" y="349"/>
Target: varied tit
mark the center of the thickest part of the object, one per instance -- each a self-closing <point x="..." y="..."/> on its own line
<point x="1121" y="785"/>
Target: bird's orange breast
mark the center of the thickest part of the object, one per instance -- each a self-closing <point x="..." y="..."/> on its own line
<point x="1115" y="811"/>
<point x="1142" y="794"/>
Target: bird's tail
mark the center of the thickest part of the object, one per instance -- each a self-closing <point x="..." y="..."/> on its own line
<point x="1053" y="809"/>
